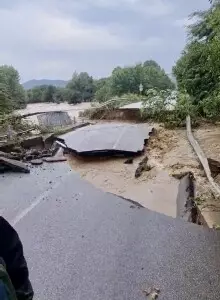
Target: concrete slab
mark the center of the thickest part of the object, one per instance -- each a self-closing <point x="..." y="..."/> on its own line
<point x="55" y="159"/>
<point x="37" y="162"/>
<point x="110" y="138"/>
<point x="13" y="165"/>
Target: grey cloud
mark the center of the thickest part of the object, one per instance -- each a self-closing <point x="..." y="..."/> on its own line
<point x="52" y="38"/>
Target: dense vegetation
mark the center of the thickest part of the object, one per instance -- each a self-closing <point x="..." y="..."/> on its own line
<point x="83" y="87"/>
<point x="127" y="80"/>
<point x="198" y="70"/>
<point x="12" y="94"/>
<point x="79" y="89"/>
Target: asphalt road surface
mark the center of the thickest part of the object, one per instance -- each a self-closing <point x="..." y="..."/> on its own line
<point x="83" y="244"/>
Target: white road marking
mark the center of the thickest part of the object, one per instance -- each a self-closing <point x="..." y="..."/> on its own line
<point x="39" y="199"/>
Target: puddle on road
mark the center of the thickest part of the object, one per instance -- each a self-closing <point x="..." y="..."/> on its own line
<point x="155" y="189"/>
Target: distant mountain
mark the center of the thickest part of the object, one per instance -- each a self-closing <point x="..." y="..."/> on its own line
<point x="33" y="83"/>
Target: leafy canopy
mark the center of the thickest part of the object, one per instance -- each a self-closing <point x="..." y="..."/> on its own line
<point x="12" y="94"/>
<point x="198" y="70"/>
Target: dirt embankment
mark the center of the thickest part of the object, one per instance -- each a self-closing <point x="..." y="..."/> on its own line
<point x="172" y="149"/>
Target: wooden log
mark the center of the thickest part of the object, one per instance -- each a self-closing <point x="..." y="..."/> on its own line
<point x="203" y="159"/>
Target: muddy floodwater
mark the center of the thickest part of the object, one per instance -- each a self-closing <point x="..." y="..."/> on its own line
<point x="155" y="189"/>
<point x="73" y="110"/>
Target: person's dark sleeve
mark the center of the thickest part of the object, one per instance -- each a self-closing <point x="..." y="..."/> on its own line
<point x="11" y="250"/>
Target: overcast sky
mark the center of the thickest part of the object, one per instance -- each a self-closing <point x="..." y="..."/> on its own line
<point x="52" y="38"/>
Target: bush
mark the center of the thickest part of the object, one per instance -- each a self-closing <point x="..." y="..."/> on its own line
<point x="211" y="107"/>
<point x="168" y="107"/>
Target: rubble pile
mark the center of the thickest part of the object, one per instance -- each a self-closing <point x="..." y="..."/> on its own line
<point x="30" y="151"/>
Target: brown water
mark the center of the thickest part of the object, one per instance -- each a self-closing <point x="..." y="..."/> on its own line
<point x="73" y="110"/>
<point x="155" y="189"/>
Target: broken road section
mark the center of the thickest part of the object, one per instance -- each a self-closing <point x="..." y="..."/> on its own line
<point x="13" y="165"/>
<point x="108" y="139"/>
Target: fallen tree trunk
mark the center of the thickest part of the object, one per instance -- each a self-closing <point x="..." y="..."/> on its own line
<point x="214" y="186"/>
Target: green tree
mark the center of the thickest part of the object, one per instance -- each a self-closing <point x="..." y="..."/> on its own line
<point x="150" y="75"/>
<point x="59" y="95"/>
<point x="43" y="93"/>
<point x="10" y="79"/>
<point x="198" y="70"/>
<point x="99" y="83"/>
<point x="35" y="95"/>
<point x="5" y="101"/>
<point x="49" y="93"/>
<point x="81" y="88"/>
<point x="151" y="63"/>
<point x="104" y="93"/>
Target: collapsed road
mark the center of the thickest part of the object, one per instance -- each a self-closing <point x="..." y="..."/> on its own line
<point x="82" y="243"/>
<point x="100" y="154"/>
<point x="108" y="139"/>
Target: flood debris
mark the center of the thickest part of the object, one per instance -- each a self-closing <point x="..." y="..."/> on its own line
<point x="55" y="159"/>
<point x="111" y="139"/>
<point x="8" y="155"/>
<point x="142" y="167"/>
<point x="152" y="293"/>
<point x="37" y="162"/>
<point x="34" y="150"/>
<point x="179" y="175"/>
<point x="7" y="164"/>
<point x="129" y="161"/>
<point x="33" y="141"/>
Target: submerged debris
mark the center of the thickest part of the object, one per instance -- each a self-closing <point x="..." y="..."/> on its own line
<point x="179" y="175"/>
<point x="129" y="161"/>
<point x="143" y="166"/>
